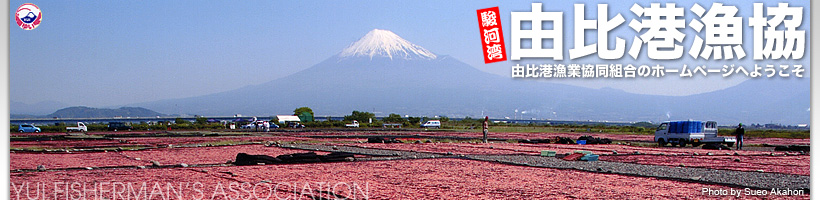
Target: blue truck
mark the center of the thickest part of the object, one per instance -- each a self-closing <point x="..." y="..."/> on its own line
<point x="683" y="133"/>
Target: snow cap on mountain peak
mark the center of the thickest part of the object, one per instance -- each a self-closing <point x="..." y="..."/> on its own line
<point x="384" y="43"/>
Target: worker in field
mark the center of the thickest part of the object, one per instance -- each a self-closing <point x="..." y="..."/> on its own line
<point x="486" y="127"/>
<point x="739" y="132"/>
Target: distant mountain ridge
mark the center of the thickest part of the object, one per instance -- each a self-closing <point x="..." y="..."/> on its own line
<point x="88" y="112"/>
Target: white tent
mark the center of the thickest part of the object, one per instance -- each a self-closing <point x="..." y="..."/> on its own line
<point x="287" y="118"/>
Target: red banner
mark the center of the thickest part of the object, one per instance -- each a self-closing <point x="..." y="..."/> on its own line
<point x="492" y="36"/>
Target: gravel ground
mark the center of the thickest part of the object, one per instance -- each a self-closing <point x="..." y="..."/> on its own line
<point x="741" y="179"/>
<point x="712" y="176"/>
<point x="780" y="162"/>
<point x="793" y="164"/>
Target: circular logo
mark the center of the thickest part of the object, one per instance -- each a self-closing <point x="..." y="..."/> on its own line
<point x="28" y="16"/>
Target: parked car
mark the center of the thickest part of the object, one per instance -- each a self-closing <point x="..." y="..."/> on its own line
<point x="259" y="123"/>
<point x="28" y="128"/>
<point x="115" y="126"/>
<point x="295" y="125"/>
<point x="432" y="124"/>
<point x="249" y="126"/>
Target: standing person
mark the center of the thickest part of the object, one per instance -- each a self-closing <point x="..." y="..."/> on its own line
<point x="486" y="127"/>
<point x="739" y="136"/>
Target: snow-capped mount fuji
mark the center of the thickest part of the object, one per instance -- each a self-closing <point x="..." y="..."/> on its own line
<point x="384" y="43"/>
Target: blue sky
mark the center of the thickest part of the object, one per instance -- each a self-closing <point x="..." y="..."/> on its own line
<point x="113" y="53"/>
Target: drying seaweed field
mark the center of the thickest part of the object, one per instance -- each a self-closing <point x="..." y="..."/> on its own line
<point x="393" y="164"/>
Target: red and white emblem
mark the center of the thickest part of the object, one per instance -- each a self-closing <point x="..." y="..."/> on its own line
<point x="28" y="16"/>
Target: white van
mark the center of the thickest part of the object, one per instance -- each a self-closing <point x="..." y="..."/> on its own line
<point x="432" y="124"/>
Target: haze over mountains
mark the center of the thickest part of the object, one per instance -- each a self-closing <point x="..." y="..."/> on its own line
<point x="39" y="108"/>
<point x="88" y="112"/>
<point x="383" y="73"/>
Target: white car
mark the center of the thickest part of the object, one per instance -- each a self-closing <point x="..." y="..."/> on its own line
<point x="248" y="126"/>
<point x="432" y="124"/>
